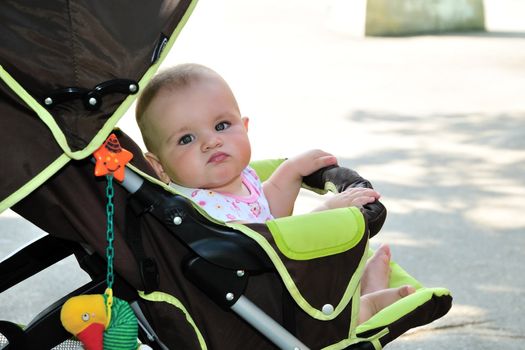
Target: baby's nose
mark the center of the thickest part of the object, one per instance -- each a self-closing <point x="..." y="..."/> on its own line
<point x="212" y="142"/>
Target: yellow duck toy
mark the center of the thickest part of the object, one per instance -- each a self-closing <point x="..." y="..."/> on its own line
<point x="86" y="317"/>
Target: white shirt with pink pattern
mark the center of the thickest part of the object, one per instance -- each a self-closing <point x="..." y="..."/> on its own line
<point x="228" y="207"/>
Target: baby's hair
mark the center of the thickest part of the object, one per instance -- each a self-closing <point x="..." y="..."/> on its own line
<point x="174" y="78"/>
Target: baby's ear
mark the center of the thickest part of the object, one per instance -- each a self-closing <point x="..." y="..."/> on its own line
<point x="245" y="121"/>
<point x="155" y="163"/>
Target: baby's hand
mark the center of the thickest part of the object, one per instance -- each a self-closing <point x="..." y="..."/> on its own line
<point x="308" y="162"/>
<point x="357" y="197"/>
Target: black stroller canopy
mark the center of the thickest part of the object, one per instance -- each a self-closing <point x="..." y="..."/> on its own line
<point x="67" y="72"/>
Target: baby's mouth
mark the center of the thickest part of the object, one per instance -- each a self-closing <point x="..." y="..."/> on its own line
<point x="218" y="157"/>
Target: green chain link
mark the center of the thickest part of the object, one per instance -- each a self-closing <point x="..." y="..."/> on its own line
<point x="110" y="235"/>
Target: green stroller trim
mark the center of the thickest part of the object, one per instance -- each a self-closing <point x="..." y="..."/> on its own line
<point x="170" y="299"/>
<point x="35" y="182"/>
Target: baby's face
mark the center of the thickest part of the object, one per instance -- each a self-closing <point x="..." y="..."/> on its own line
<point x="202" y="139"/>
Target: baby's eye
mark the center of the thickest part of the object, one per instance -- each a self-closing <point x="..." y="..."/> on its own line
<point x="184" y="140"/>
<point x="222" y="126"/>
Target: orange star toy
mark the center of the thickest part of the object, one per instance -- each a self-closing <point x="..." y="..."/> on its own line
<point x="112" y="158"/>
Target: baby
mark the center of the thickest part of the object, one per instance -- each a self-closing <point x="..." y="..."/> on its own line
<point x="198" y="143"/>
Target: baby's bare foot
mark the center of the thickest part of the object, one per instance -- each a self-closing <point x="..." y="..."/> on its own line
<point x="374" y="302"/>
<point x="406" y="290"/>
<point x="377" y="271"/>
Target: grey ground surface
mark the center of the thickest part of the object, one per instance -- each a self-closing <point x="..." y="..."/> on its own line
<point x="437" y="123"/>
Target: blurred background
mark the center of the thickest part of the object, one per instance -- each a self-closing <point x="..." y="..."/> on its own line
<point x="434" y="121"/>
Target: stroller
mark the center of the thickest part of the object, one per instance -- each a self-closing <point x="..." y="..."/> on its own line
<point x="193" y="282"/>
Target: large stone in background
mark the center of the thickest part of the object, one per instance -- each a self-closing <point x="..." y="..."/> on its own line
<point x="406" y="17"/>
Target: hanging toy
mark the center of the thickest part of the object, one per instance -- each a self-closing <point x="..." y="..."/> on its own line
<point x="112" y="158"/>
<point x="85" y="317"/>
<point x="101" y="321"/>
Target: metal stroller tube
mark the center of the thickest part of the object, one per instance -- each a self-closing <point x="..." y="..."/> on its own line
<point x="132" y="181"/>
<point x="266" y="325"/>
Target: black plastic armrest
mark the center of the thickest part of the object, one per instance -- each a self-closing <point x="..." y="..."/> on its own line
<point x="343" y="178"/>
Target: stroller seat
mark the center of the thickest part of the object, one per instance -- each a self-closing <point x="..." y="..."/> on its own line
<point x="222" y="258"/>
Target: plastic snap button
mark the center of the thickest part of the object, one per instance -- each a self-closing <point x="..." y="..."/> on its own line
<point x="327" y="309"/>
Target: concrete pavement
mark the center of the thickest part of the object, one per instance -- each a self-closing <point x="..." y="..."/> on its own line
<point x="435" y="122"/>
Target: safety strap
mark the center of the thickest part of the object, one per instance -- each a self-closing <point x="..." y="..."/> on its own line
<point x="133" y="235"/>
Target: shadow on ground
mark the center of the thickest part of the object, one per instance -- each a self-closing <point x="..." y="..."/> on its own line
<point x="454" y="185"/>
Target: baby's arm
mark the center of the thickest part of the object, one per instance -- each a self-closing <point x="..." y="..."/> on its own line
<point x="352" y="196"/>
<point x="283" y="186"/>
